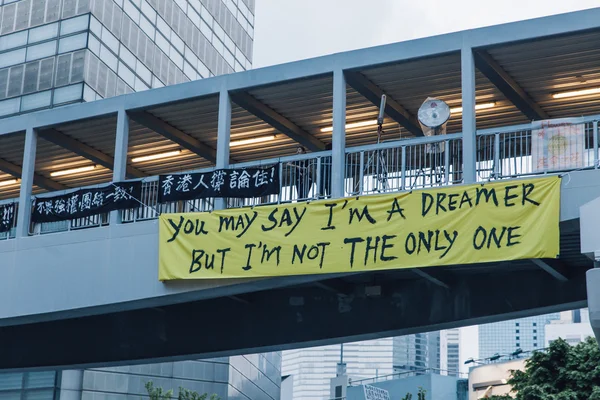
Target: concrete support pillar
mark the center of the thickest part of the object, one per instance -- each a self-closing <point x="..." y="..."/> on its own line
<point x="223" y="138"/>
<point x="27" y="173"/>
<point x="469" y="125"/>
<point x="120" y="164"/>
<point x="338" y="156"/>
<point x="593" y="295"/>
<point x="71" y="384"/>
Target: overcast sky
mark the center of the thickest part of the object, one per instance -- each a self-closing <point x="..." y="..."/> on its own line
<point x="290" y="30"/>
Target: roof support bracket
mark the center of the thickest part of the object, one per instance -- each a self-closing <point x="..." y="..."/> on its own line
<point x="86" y="151"/>
<point x="393" y="109"/>
<point x="507" y="85"/>
<point x="38" y="180"/>
<point x="277" y="121"/>
<point x="557" y="270"/>
<point x="176" y="135"/>
<point x="430" y="278"/>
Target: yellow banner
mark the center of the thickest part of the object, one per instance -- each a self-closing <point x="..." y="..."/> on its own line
<point x="504" y="220"/>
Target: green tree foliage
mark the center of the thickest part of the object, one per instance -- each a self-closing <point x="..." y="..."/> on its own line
<point x="157" y="393"/>
<point x="420" y="395"/>
<point x="563" y="372"/>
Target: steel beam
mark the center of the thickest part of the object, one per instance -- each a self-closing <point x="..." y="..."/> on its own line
<point x="555" y="270"/>
<point x="86" y="151"/>
<point x="469" y="123"/>
<point x="176" y="135"/>
<point x="507" y="85"/>
<point x="38" y="180"/>
<point x="393" y="109"/>
<point x="277" y="121"/>
<point x="430" y="278"/>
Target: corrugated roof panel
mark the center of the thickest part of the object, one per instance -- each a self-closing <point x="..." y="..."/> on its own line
<point x="547" y="66"/>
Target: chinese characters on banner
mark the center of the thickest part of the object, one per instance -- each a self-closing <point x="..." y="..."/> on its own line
<point x="87" y="202"/>
<point x="375" y="393"/>
<point x="7" y="217"/>
<point x="232" y="183"/>
<point x="558" y="144"/>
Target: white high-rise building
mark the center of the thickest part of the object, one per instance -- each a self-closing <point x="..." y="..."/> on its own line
<point x="573" y="326"/>
<point x="312" y="369"/>
<point x="450" y="351"/>
<point x="506" y="337"/>
<point x="420" y="351"/>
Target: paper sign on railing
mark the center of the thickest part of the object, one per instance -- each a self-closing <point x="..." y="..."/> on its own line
<point x="558" y="144"/>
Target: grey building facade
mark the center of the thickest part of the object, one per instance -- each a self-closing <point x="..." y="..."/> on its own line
<point x="56" y="52"/>
<point x="506" y="337"/>
<point x="251" y="377"/>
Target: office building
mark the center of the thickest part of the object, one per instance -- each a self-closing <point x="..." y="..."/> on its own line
<point x="450" y="352"/>
<point x="312" y="369"/>
<point x="417" y="352"/>
<point x="573" y="326"/>
<point x="253" y="377"/>
<point x="507" y="336"/>
<point x="57" y="52"/>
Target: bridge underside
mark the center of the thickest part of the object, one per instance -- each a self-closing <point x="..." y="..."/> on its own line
<point x="359" y="306"/>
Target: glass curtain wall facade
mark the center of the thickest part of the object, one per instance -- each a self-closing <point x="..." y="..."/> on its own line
<point x="311" y="369"/>
<point x="505" y="337"/>
<point x="417" y="352"/>
<point x="250" y="377"/>
<point x="56" y="52"/>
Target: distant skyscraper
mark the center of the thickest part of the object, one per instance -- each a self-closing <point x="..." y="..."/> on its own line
<point x="311" y="369"/>
<point x="417" y="352"/>
<point x="56" y="52"/>
<point x="450" y="351"/>
<point x="573" y="326"/>
<point x="507" y="336"/>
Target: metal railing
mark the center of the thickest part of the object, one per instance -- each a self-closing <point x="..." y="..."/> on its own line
<point x="404" y="165"/>
<point x="425" y="162"/>
<point x="407" y="374"/>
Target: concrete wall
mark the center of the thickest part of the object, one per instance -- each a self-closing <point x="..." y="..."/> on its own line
<point x="438" y="387"/>
<point x="62" y="272"/>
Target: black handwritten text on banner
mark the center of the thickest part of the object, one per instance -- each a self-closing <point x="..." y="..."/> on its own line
<point x="233" y="183"/>
<point x="470" y="224"/>
<point x="7" y="216"/>
<point x="87" y="202"/>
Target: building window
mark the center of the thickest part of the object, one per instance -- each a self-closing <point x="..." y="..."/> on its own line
<point x="535" y="338"/>
<point x="535" y="345"/>
<point x="535" y="331"/>
<point x="517" y="331"/>
<point x="517" y="324"/>
<point x="517" y="338"/>
<point x="518" y="345"/>
<point x="535" y="324"/>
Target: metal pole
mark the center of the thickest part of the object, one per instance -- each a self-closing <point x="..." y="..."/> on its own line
<point x="497" y="156"/>
<point x="403" y="172"/>
<point x="24" y="211"/>
<point x="120" y="162"/>
<point x="338" y="154"/>
<point x="469" y="127"/>
<point x="595" y="132"/>
<point x="224" y="130"/>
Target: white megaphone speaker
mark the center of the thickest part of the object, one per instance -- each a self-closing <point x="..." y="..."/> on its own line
<point x="433" y="117"/>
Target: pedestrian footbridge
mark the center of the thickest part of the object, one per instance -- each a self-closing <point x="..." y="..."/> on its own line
<point x="86" y="291"/>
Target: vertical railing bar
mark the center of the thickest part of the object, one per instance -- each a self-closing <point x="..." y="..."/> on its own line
<point x="496" y="156"/>
<point x="403" y="169"/>
<point x="446" y="161"/>
<point x="280" y="182"/>
<point x="361" y="172"/>
<point x="595" y="133"/>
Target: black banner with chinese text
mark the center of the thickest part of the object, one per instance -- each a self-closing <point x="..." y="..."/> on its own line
<point x="232" y="183"/>
<point x="7" y="216"/>
<point x="87" y="202"/>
